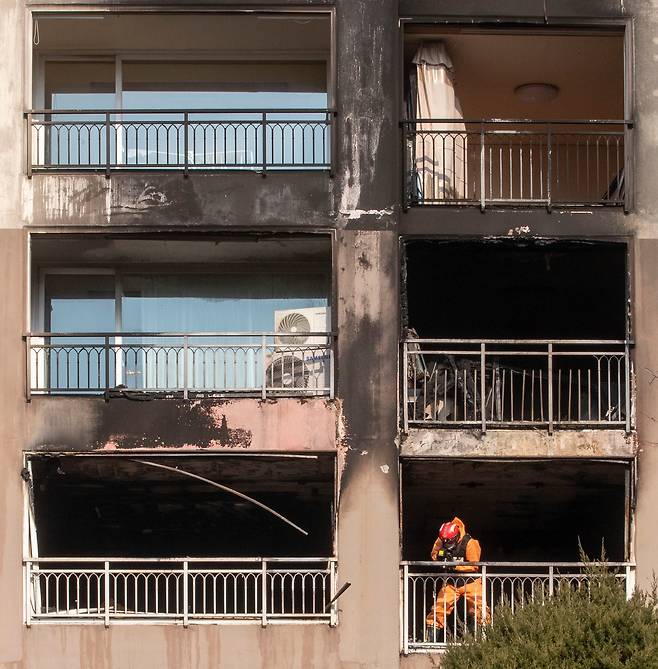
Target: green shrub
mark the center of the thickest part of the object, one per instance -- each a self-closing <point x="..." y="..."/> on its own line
<point x="587" y="628"/>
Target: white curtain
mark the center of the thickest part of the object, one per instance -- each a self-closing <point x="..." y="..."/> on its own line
<point x="440" y="147"/>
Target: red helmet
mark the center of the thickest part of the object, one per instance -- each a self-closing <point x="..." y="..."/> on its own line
<point x="449" y="533"/>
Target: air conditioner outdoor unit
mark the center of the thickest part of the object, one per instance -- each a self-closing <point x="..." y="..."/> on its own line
<point x="299" y="360"/>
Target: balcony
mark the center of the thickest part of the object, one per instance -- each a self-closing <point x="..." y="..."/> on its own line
<point x="532" y="517"/>
<point x="187" y="365"/>
<point x="175" y="140"/>
<point x="195" y="316"/>
<point x="182" y="92"/>
<point x="161" y="539"/>
<point x="499" y="117"/>
<point x="500" y="583"/>
<point x="505" y="333"/>
<point x="515" y="163"/>
<point x="130" y="590"/>
<point x="557" y="384"/>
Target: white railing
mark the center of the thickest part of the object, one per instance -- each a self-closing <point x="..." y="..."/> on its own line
<point x="186" y="364"/>
<point x="506" y="383"/>
<point x="438" y="604"/>
<point x="494" y="162"/>
<point x="180" y="590"/>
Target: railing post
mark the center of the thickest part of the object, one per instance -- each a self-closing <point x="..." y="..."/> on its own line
<point x="28" y="593"/>
<point x="484" y="599"/>
<point x="483" y="386"/>
<point x="28" y="145"/>
<point x="628" y="167"/>
<point x="627" y="383"/>
<point x="263" y="356"/>
<point x="108" y="135"/>
<point x="263" y="593"/>
<point x="549" y="169"/>
<point x="107" y="368"/>
<point x="186" y="141"/>
<point x="264" y="131"/>
<point x="333" y="620"/>
<point x="186" y="383"/>
<point x="405" y="610"/>
<point x="630" y="581"/>
<point x="186" y="621"/>
<point x="106" y="593"/>
<point x="482" y="168"/>
<point x="405" y="387"/>
<point x="551" y="582"/>
<point x="28" y="367"/>
<point x="550" y="388"/>
<point x="332" y="390"/>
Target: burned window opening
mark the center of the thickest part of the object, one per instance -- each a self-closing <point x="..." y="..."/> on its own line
<point x="521" y="510"/>
<point x="532" y="332"/>
<point x="501" y="289"/>
<point x="95" y="507"/>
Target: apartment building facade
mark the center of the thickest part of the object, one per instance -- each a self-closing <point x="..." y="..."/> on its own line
<point x="288" y="284"/>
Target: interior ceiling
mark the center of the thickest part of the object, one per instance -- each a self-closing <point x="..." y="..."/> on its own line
<point x="99" y="250"/>
<point x="180" y="33"/>
<point x="519" y="510"/>
<point x="297" y="474"/>
<point x="588" y="69"/>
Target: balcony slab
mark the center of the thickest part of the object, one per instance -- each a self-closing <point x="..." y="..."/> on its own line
<point x="232" y="425"/>
<point x="518" y="444"/>
<point x="164" y="199"/>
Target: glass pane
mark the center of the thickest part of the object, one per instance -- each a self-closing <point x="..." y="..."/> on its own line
<point x="202" y="303"/>
<point x="77" y="139"/>
<point x="225" y="138"/>
<point x="78" y="304"/>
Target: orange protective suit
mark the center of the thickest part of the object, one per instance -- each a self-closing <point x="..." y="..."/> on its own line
<point x="457" y="587"/>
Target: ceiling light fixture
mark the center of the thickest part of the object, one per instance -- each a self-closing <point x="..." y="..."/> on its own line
<point x="537" y="92"/>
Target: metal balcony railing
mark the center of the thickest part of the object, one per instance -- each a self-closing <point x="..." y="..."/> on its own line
<point x="516" y="162"/>
<point x="494" y="584"/>
<point x="180" y="590"/>
<point x="163" y="139"/>
<point x="511" y="383"/>
<point x="181" y="364"/>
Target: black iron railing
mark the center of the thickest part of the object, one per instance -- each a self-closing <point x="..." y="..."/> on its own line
<point x="514" y="383"/>
<point x="516" y="162"/>
<point x="162" y="139"/>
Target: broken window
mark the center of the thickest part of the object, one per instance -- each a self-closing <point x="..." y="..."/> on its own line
<point x="518" y="127"/>
<point x="198" y="316"/>
<point x="528" y="332"/>
<point x="149" y="528"/>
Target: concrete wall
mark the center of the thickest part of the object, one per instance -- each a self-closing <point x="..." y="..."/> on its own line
<point x="361" y="203"/>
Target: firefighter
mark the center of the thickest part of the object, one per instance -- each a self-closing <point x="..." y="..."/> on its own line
<point x="454" y="545"/>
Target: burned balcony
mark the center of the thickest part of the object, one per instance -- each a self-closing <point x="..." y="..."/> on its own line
<point x="531" y="519"/>
<point x="232" y="92"/>
<point x="501" y="118"/>
<point x="240" y="318"/>
<point x="107" y="536"/>
<point x="488" y="363"/>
